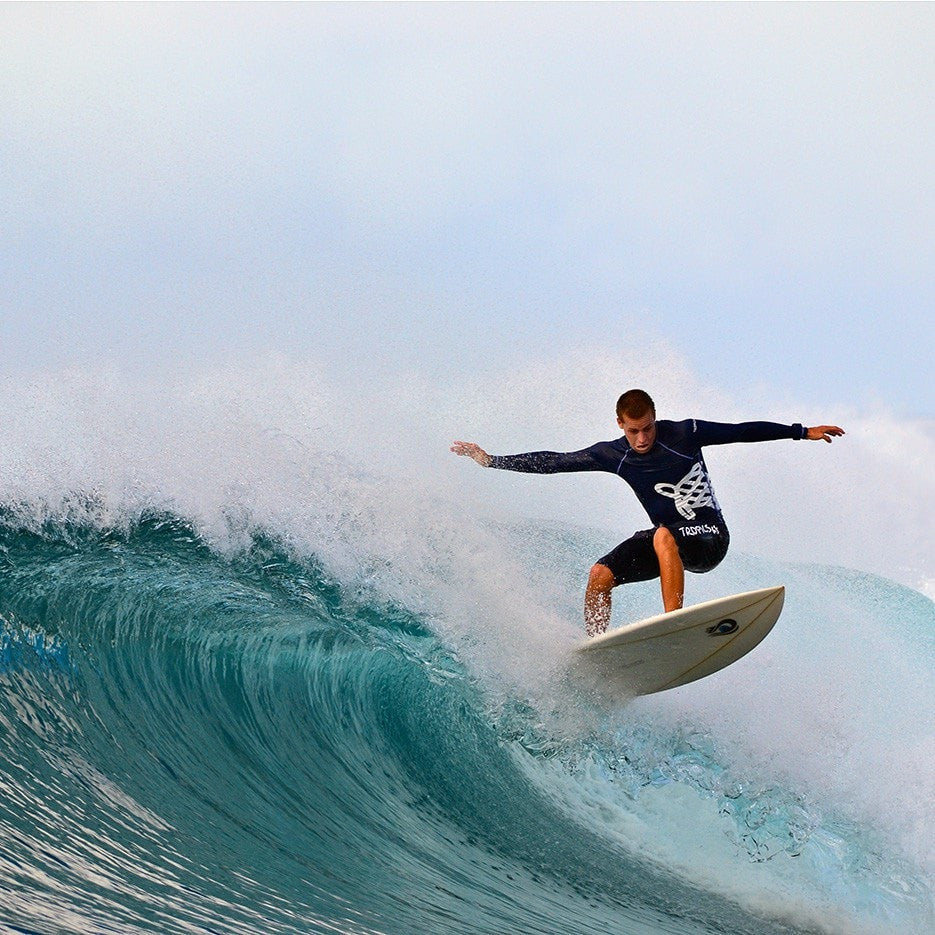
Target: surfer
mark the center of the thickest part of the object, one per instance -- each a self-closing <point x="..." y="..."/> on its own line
<point x="661" y="460"/>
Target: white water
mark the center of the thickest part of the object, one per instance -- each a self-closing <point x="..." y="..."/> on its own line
<point x="836" y="705"/>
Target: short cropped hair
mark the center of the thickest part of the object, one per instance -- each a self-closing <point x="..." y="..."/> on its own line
<point x="635" y="404"/>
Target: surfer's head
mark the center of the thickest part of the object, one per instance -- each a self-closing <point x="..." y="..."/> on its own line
<point x="636" y="415"/>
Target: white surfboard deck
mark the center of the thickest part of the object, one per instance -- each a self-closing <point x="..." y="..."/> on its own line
<point x="673" y="649"/>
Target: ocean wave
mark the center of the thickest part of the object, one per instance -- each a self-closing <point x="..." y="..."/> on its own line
<point x="241" y="741"/>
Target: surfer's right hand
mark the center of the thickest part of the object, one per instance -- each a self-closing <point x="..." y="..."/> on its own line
<point x="470" y="450"/>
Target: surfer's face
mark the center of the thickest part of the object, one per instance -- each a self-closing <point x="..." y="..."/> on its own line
<point x="640" y="433"/>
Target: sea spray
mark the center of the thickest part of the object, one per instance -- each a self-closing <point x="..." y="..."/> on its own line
<point x="196" y="549"/>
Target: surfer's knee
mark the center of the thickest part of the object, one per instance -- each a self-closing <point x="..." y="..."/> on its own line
<point x="664" y="542"/>
<point x="601" y="578"/>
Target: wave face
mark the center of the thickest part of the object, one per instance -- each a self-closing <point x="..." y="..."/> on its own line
<point x="238" y="743"/>
<point x="264" y="670"/>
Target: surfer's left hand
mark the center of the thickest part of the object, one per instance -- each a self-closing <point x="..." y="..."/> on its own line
<point x="823" y="433"/>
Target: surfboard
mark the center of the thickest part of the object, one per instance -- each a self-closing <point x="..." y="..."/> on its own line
<point x="681" y="646"/>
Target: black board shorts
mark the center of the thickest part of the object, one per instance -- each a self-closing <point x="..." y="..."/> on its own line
<point x="701" y="546"/>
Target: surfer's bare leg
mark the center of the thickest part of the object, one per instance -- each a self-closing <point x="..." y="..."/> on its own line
<point x="597" y="600"/>
<point x="671" y="569"/>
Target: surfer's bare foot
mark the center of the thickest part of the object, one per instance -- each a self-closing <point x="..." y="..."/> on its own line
<point x="597" y="600"/>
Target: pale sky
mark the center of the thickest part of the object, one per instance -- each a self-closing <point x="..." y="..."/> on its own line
<point x="451" y="188"/>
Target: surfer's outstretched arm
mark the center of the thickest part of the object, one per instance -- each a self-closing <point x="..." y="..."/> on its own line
<point x="542" y="462"/>
<point x="727" y="433"/>
<point x="470" y="450"/>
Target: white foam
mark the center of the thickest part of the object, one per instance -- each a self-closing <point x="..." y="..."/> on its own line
<point x="837" y="701"/>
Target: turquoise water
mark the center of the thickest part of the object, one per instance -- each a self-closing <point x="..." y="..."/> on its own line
<point x="205" y="740"/>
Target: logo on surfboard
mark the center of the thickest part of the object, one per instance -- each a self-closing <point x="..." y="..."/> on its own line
<point x="723" y="628"/>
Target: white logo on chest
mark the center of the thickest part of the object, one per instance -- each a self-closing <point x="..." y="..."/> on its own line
<point x="692" y="491"/>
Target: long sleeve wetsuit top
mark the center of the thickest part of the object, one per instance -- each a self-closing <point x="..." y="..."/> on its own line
<point x="671" y="480"/>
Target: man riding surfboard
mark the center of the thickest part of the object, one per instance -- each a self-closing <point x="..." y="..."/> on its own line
<point x="662" y="462"/>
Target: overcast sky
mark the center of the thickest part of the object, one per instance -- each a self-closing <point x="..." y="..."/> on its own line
<point x="447" y="188"/>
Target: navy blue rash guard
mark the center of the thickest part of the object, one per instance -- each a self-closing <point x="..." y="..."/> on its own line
<point x="671" y="480"/>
